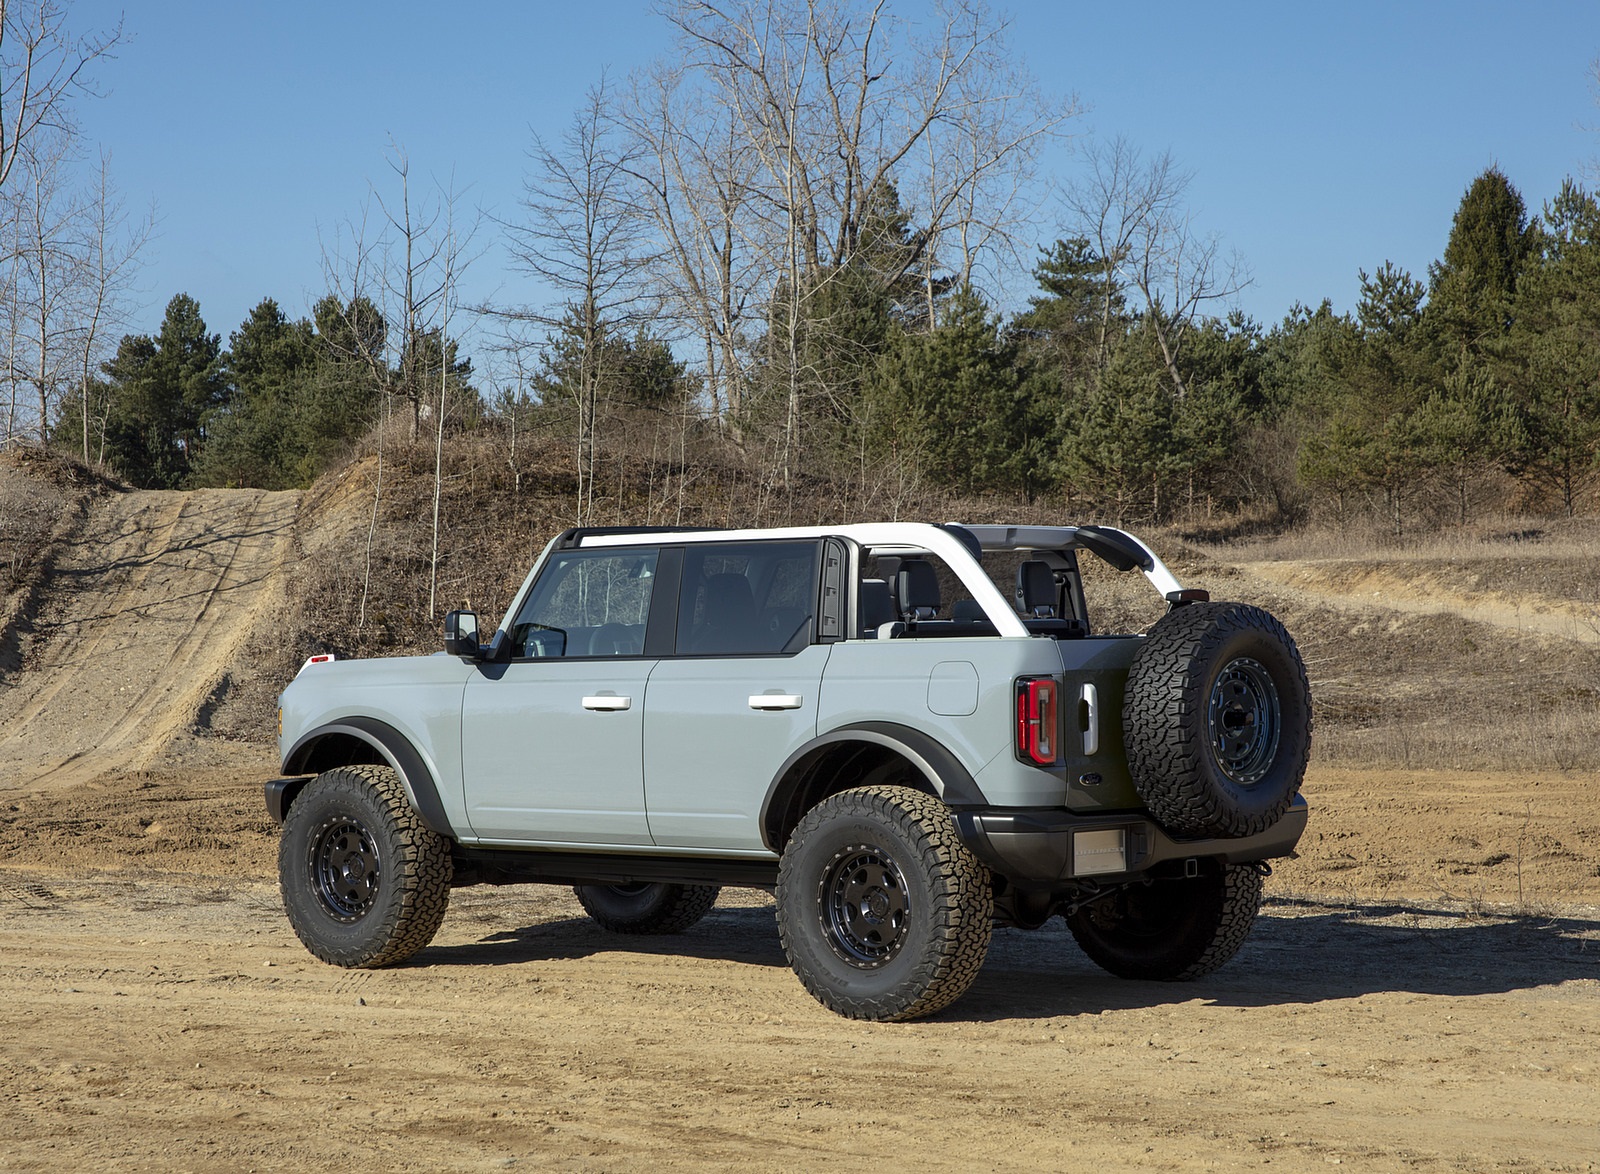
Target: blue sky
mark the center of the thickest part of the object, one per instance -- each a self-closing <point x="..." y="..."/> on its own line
<point x="1324" y="138"/>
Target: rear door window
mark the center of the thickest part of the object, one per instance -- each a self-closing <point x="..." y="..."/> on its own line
<point x="753" y="598"/>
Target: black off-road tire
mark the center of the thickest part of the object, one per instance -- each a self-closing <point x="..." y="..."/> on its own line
<point x="364" y="881"/>
<point x="1217" y="720"/>
<point x="882" y="910"/>
<point x="646" y="908"/>
<point x="1173" y="929"/>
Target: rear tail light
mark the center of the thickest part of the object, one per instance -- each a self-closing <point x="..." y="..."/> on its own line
<point x="1038" y="720"/>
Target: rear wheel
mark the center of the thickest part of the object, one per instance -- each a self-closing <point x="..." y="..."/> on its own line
<point x="1173" y="928"/>
<point x="364" y="881"/>
<point x="883" y="911"/>
<point x="646" y="908"/>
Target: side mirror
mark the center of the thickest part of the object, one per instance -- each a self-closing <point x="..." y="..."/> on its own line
<point x="461" y="635"/>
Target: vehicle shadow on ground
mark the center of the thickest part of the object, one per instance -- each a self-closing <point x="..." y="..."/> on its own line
<point x="746" y="935"/>
<point x="1301" y="951"/>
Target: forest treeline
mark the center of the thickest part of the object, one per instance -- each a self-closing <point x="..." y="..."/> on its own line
<point x="787" y="248"/>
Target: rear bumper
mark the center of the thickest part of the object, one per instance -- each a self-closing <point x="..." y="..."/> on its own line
<point x="1044" y="848"/>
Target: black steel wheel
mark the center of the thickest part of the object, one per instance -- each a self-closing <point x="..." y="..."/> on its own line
<point x="883" y="911"/>
<point x="866" y="911"/>
<point x="1244" y="719"/>
<point x="646" y="908"/>
<point x="344" y="867"/>
<point x="364" y="881"/>
<point x="1217" y="720"/>
<point x="1174" y="927"/>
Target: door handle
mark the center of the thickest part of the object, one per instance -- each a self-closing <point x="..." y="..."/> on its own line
<point x="776" y="701"/>
<point x="607" y="702"/>
<point x="1089" y="718"/>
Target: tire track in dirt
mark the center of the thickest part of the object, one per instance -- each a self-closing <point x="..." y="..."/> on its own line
<point x="144" y="615"/>
<point x="1345" y="584"/>
<point x="132" y="526"/>
<point x="190" y="695"/>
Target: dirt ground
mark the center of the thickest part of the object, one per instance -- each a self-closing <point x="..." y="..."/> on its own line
<point x="1419" y="994"/>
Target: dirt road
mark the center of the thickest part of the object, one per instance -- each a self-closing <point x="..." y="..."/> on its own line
<point x="158" y="1022"/>
<point x="1420" y="993"/>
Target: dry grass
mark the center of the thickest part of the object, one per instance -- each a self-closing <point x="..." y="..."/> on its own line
<point x="1509" y="536"/>
<point x="1463" y="653"/>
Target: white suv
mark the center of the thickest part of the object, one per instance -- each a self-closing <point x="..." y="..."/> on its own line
<point x="908" y="732"/>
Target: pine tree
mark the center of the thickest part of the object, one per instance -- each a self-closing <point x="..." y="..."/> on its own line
<point x="164" y="393"/>
<point x="1550" y="360"/>
<point x="1472" y="287"/>
<point x="1122" y="443"/>
<point x="1378" y="376"/>
<point x="963" y="404"/>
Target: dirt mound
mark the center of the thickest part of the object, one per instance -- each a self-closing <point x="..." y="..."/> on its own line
<point x="1497" y="592"/>
<point x="146" y="610"/>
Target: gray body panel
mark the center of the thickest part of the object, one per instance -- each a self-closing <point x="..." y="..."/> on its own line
<point x="894" y="681"/>
<point x="418" y="696"/>
<point x="541" y="767"/>
<point x="709" y="754"/>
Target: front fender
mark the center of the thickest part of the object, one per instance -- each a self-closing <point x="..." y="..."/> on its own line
<point x="327" y="746"/>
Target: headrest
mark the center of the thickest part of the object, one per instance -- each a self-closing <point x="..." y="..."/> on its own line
<point x="917" y="585"/>
<point x="877" y="605"/>
<point x="1036" y="590"/>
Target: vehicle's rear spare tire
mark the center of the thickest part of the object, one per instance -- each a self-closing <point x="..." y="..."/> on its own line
<point x="646" y="907"/>
<point x="1217" y="720"/>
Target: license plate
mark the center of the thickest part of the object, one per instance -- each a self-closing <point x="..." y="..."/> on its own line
<point x="1099" y="851"/>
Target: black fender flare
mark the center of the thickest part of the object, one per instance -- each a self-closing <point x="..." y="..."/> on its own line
<point x="422" y="789"/>
<point x="950" y="780"/>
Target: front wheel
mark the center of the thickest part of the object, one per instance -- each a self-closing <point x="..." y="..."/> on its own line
<point x="364" y="881"/>
<point x="1172" y="928"/>
<point x="882" y="910"/>
<point x="646" y="908"/>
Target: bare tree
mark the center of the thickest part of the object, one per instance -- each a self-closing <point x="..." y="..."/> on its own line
<point x="46" y="266"/>
<point x="695" y="175"/>
<point x="72" y="254"/>
<point x="413" y="280"/>
<point x="1132" y="213"/>
<point x="108" y="257"/>
<point x="982" y="163"/>
<point x="395" y="286"/>
<point x="12" y="319"/>
<point x="771" y="142"/>
<point x="581" y="236"/>
<point x="449" y="255"/>
<point x="43" y="66"/>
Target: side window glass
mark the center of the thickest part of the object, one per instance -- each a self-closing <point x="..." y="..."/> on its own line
<point x="919" y="587"/>
<point x="750" y="598"/>
<point x="587" y="603"/>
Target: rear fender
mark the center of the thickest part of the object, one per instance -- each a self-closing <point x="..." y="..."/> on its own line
<point x="799" y="783"/>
